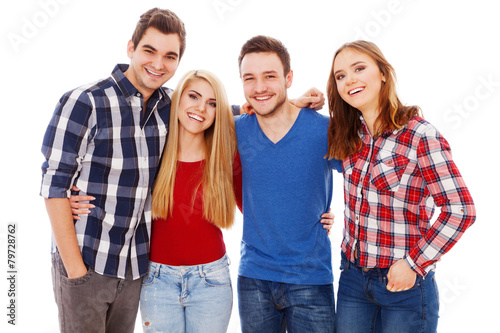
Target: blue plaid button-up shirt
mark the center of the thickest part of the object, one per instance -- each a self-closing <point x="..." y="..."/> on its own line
<point x="99" y="141"/>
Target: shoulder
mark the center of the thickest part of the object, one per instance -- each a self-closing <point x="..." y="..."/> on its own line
<point x="95" y="88"/>
<point x="315" y="116"/>
<point x="244" y="119"/>
<point x="421" y="127"/>
<point x="167" y="91"/>
<point x="424" y="132"/>
<point x="314" y="120"/>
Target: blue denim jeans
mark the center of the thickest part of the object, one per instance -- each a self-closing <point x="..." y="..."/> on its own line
<point x="267" y="306"/>
<point x="187" y="298"/>
<point x="365" y="305"/>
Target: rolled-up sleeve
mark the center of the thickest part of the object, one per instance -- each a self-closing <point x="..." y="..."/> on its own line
<point x="64" y="144"/>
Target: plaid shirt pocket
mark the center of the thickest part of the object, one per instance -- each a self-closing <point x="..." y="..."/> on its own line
<point x="387" y="171"/>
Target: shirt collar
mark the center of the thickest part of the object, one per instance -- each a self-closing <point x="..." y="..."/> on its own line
<point x="126" y="87"/>
<point x="363" y="131"/>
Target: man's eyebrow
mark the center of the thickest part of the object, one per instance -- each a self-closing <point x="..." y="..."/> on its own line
<point x="265" y="73"/>
<point x="152" y="48"/>
<point x="147" y="46"/>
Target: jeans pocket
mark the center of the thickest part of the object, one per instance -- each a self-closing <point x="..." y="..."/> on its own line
<point x="79" y="280"/>
<point x="218" y="278"/>
<point x="149" y="279"/>
<point x="418" y="281"/>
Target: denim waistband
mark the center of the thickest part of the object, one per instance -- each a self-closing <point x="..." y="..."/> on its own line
<point x="190" y="270"/>
<point x="347" y="264"/>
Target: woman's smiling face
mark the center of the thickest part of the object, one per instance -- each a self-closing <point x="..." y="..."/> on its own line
<point x="197" y="107"/>
<point x="358" y="79"/>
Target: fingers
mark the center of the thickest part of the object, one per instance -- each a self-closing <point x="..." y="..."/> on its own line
<point x="400" y="277"/>
<point x="327" y="220"/>
<point x="246" y="108"/>
<point x="317" y="103"/>
<point x="80" y="198"/>
<point x="77" y="212"/>
<point x="394" y="288"/>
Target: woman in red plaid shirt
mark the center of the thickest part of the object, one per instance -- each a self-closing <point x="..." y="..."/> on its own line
<point x="397" y="168"/>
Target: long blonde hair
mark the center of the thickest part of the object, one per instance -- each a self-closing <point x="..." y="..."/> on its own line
<point x="220" y="146"/>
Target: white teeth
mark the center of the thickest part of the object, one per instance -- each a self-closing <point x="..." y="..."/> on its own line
<point x="150" y="72"/>
<point x="352" y="92"/>
<point x="262" y="98"/>
<point x="195" y="117"/>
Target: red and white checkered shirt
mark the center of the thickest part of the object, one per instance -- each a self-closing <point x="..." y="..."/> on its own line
<point x="391" y="188"/>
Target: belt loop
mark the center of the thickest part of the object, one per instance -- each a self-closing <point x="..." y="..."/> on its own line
<point x="200" y="269"/>
<point x="157" y="270"/>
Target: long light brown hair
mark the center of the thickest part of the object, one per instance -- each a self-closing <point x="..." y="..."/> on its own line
<point x="220" y="146"/>
<point x="343" y="138"/>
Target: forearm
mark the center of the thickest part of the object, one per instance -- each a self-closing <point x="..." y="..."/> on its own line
<point x="63" y="228"/>
<point x="449" y="227"/>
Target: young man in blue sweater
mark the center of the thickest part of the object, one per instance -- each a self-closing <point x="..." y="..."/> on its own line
<point x="285" y="274"/>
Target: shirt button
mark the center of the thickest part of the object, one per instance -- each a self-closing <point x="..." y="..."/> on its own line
<point x="138" y="94"/>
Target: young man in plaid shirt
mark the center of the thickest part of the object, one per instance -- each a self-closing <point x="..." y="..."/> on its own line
<point x="107" y="138"/>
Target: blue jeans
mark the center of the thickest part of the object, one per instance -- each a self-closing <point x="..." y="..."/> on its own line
<point x="365" y="305"/>
<point x="267" y="306"/>
<point x="187" y="298"/>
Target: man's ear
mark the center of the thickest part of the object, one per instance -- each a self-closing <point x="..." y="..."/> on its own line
<point x="130" y="49"/>
<point x="289" y="79"/>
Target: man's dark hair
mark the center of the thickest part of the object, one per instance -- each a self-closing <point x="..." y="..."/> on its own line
<point x="266" y="44"/>
<point x="165" y="21"/>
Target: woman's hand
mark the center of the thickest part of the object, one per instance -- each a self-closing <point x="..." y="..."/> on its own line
<point x="400" y="276"/>
<point x="78" y="207"/>
<point x="328" y="219"/>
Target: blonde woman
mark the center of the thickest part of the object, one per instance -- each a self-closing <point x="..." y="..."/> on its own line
<point x="188" y="287"/>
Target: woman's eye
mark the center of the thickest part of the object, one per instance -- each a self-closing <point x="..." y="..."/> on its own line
<point x="340" y="77"/>
<point x="359" y="69"/>
<point x="212" y="104"/>
<point x="192" y="96"/>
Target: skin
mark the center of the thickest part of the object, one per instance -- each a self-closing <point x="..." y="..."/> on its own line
<point x="355" y="71"/>
<point x="196" y="113"/>
<point x="143" y="58"/>
<point x="157" y="53"/>
<point x="265" y="87"/>
<point x="153" y="61"/>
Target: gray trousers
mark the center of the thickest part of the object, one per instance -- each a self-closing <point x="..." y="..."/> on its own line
<point x="93" y="302"/>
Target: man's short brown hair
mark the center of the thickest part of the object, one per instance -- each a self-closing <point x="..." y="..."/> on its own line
<point x="266" y="44"/>
<point x="165" y="21"/>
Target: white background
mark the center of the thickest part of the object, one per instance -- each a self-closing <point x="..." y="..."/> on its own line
<point x="445" y="54"/>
